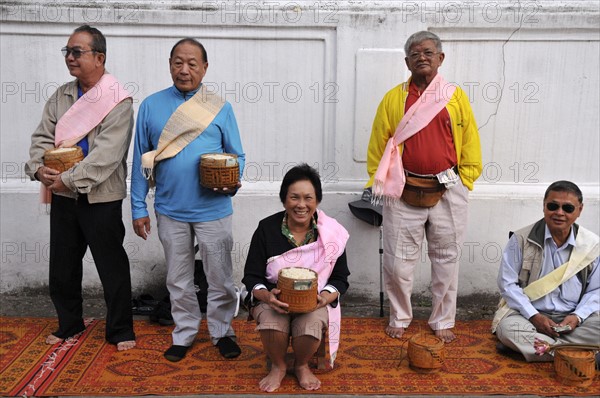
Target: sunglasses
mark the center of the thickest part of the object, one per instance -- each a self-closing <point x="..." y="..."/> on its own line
<point x="567" y="207"/>
<point x="77" y="52"/>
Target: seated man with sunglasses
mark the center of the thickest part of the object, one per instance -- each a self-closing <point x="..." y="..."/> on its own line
<point x="549" y="280"/>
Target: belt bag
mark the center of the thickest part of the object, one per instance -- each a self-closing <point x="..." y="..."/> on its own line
<point x="422" y="192"/>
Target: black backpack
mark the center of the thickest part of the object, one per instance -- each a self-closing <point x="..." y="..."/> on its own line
<point x="162" y="311"/>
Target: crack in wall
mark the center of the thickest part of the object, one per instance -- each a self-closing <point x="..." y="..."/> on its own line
<point x="495" y="112"/>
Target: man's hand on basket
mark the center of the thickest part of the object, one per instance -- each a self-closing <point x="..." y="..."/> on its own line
<point x="227" y="191"/>
<point x="46" y="175"/>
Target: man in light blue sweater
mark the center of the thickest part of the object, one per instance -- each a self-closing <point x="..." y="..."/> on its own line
<point x="184" y="209"/>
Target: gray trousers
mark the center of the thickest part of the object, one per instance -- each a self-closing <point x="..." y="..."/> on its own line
<point x="215" y="241"/>
<point x="517" y="333"/>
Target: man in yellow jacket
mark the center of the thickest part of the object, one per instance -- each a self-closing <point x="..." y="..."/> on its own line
<point x="423" y="177"/>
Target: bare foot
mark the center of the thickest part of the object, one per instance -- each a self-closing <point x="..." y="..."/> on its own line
<point x="395" y="333"/>
<point x="445" y="334"/>
<point x="125" y="345"/>
<point x="306" y="378"/>
<point x="273" y="380"/>
<point x="52" y="339"/>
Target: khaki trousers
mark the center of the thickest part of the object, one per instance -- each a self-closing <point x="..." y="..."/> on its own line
<point x="404" y="228"/>
<point x="517" y="333"/>
<point x="309" y="324"/>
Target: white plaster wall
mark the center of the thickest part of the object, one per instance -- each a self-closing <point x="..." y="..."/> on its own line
<point x="305" y="79"/>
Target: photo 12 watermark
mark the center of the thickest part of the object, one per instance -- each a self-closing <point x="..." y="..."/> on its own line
<point x="37" y="92"/>
<point x="270" y="92"/>
<point x="269" y="171"/>
<point x="469" y="12"/>
<point x="35" y="252"/>
<point x="86" y="12"/>
<point x="267" y="12"/>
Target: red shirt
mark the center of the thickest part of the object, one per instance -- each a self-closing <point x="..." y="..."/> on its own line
<point x="431" y="150"/>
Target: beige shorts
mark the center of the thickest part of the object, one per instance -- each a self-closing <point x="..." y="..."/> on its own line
<point x="309" y="324"/>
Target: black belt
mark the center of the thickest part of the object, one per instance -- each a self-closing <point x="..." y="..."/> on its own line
<point x="429" y="177"/>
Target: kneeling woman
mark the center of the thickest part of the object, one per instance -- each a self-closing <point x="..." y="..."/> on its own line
<point x="299" y="236"/>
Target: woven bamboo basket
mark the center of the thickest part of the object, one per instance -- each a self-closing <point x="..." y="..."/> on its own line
<point x="219" y="170"/>
<point x="62" y="159"/>
<point x="574" y="367"/>
<point x="426" y="353"/>
<point x="299" y="293"/>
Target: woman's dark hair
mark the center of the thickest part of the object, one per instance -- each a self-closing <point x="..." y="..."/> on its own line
<point x="302" y="172"/>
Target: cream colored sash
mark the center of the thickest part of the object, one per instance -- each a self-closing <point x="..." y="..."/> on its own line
<point x="188" y="121"/>
<point x="585" y="251"/>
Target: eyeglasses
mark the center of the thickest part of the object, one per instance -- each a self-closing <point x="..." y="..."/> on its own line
<point x="427" y="54"/>
<point x="567" y="207"/>
<point x="77" y="52"/>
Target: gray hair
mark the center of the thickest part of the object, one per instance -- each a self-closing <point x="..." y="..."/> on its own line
<point x="421" y="36"/>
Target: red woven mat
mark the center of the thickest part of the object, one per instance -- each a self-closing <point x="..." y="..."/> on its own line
<point x="368" y="362"/>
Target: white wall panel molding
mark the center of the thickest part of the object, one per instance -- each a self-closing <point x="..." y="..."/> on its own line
<point x="523" y="34"/>
<point x="482" y="191"/>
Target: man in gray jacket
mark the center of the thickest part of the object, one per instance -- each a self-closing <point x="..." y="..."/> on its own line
<point x="87" y="198"/>
<point x="550" y="281"/>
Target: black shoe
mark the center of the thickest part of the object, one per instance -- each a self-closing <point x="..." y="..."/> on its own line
<point x="508" y="352"/>
<point x="228" y="348"/>
<point x="143" y="305"/>
<point x="502" y="349"/>
<point x="162" y="313"/>
<point x="176" y="353"/>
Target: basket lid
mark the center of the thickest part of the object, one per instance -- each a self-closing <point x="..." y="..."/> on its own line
<point x="63" y="151"/>
<point x="218" y="159"/>
<point x="427" y="340"/>
<point x="579" y="353"/>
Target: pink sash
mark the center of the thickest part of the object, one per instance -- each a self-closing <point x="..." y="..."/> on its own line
<point x="389" y="178"/>
<point x="84" y="115"/>
<point x="320" y="256"/>
<point x="88" y="111"/>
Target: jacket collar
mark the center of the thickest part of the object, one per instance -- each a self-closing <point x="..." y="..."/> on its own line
<point x="71" y="89"/>
<point x="185" y="96"/>
<point x="538" y="232"/>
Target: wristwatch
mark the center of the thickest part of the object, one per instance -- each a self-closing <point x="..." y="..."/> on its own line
<point x="579" y="320"/>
